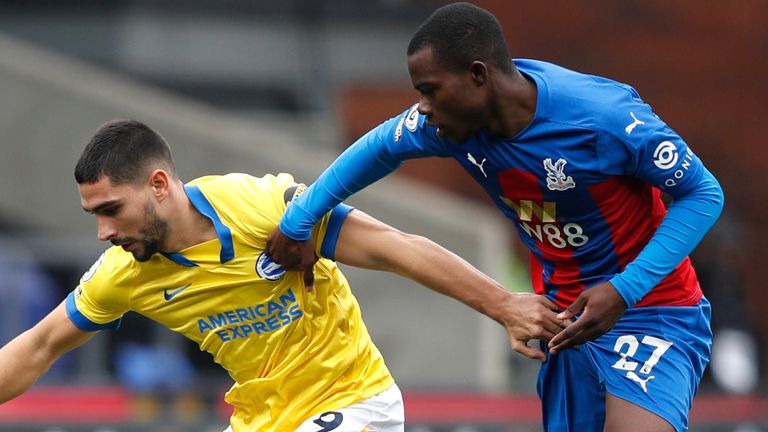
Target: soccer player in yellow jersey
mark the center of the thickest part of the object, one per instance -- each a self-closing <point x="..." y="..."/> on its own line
<point x="191" y="257"/>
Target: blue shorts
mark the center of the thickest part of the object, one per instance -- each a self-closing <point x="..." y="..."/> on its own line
<point x="654" y="358"/>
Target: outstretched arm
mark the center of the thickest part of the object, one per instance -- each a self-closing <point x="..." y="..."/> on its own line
<point x="367" y="243"/>
<point x="27" y="357"/>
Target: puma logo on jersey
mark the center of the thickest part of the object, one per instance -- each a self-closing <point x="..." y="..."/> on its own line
<point x="473" y="161"/>
<point x="556" y="179"/>
<point x="268" y="269"/>
<point x="643" y="382"/>
<point x="630" y="127"/>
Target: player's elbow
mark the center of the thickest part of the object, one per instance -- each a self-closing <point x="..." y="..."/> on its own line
<point x="714" y="195"/>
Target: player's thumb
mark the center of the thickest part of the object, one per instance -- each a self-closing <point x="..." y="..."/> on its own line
<point x="573" y="309"/>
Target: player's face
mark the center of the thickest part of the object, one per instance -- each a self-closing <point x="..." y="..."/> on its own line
<point x="126" y="216"/>
<point x="452" y="100"/>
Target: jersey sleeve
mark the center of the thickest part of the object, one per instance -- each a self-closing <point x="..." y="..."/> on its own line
<point x="99" y="302"/>
<point x="634" y="141"/>
<point x="374" y="156"/>
<point x="326" y="231"/>
<point x="687" y="221"/>
<point x="637" y="143"/>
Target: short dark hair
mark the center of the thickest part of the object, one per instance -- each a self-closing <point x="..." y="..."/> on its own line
<point x="460" y="33"/>
<point x="124" y="151"/>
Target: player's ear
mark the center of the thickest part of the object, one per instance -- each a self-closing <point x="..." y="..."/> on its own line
<point x="479" y="72"/>
<point x="159" y="182"/>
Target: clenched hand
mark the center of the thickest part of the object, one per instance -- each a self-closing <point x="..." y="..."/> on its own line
<point x="293" y="255"/>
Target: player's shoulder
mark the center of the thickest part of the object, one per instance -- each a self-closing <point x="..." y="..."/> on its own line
<point x="579" y="98"/>
<point x="243" y="201"/>
<point x="571" y="81"/>
<point x="112" y="269"/>
<point x="235" y="180"/>
<point x="241" y="184"/>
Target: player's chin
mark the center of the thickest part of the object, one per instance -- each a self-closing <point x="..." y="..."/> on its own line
<point x="141" y="254"/>
<point x="443" y="133"/>
<point x="455" y="137"/>
<point x="140" y="257"/>
<point x="459" y="132"/>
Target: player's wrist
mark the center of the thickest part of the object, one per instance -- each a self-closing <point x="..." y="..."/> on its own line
<point x="630" y="293"/>
<point x="297" y="234"/>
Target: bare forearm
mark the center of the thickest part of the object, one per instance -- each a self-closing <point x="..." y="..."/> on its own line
<point x="442" y="271"/>
<point x="524" y="316"/>
<point x="367" y="243"/>
<point x="26" y="358"/>
<point x="20" y="366"/>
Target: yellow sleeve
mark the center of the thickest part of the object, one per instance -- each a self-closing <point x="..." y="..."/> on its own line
<point x="101" y="298"/>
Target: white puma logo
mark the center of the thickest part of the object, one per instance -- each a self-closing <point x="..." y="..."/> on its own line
<point x="479" y="165"/>
<point x="630" y="127"/>
<point x="643" y="382"/>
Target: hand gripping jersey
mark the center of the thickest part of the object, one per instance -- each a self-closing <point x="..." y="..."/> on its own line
<point x="582" y="184"/>
<point x="291" y="353"/>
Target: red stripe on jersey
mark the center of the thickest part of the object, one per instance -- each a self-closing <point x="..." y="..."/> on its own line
<point x="633" y="211"/>
<point x="679" y="288"/>
<point x="563" y="297"/>
<point x="518" y="186"/>
<point x="537" y="274"/>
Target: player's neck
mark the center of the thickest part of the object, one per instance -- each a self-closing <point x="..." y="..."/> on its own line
<point x="514" y="105"/>
<point x="188" y="227"/>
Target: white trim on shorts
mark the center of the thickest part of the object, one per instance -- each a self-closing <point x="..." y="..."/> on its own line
<point x="383" y="412"/>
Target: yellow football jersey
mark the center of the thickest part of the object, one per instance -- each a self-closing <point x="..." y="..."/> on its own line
<point x="291" y="353"/>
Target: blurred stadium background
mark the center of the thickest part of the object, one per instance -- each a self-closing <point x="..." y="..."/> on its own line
<point x="259" y="87"/>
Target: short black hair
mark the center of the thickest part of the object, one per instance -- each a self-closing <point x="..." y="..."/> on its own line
<point x="460" y="33"/>
<point x="124" y="151"/>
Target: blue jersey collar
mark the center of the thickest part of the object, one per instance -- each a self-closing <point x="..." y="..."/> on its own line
<point x="200" y="202"/>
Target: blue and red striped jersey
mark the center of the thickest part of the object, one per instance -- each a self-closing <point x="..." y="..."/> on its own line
<point x="582" y="183"/>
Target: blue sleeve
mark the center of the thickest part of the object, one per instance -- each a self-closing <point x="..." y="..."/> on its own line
<point x="372" y="157"/>
<point x="82" y="322"/>
<point x="635" y="142"/>
<point x="687" y="221"/>
<point x="335" y="221"/>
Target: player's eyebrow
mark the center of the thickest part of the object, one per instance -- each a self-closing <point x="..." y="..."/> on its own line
<point x="425" y="86"/>
<point x="102" y="206"/>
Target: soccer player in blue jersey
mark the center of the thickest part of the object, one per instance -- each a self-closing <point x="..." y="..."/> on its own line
<point x="578" y="163"/>
<point x="190" y="256"/>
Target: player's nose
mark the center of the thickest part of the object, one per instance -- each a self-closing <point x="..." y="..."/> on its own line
<point x="424" y="108"/>
<point x="105" y="229"/>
